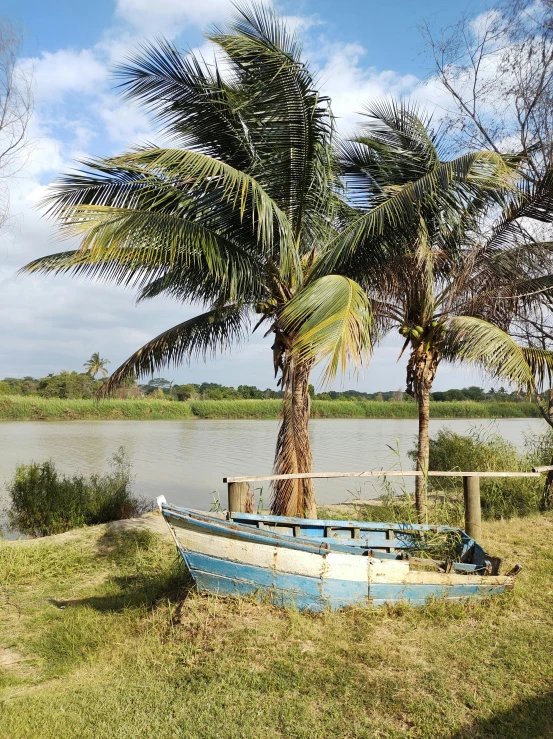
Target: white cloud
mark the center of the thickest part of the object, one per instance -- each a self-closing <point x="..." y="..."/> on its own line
<point x="124" y="123"/>
<point x="169" y="17"/>
<point x="350" y="85"/>
<point x="66" y="71"/>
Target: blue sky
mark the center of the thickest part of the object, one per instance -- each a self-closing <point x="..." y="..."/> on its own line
<point x="363" y="49"/>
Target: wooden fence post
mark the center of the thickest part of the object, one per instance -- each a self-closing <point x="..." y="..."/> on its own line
<point x="473" y="512"/>
<point x="238" y="496"/>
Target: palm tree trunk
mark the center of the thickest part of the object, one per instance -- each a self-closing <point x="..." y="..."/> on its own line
<point x="546" y="502"/>
<point x="421" y="372"/>
<point x="547" y="497"/>
<point x="423" y="454"/>
<point x="293" y="452"/>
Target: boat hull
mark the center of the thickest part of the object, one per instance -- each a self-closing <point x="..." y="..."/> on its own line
<point x="226" y="558"/>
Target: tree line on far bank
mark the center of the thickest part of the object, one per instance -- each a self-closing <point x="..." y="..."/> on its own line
<point x="80" y="385"/>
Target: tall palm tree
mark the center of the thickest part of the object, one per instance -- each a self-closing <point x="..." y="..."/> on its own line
<point x="233" y="216"/>
<point x="96" y="364"/>
<point x="423" y="243"/>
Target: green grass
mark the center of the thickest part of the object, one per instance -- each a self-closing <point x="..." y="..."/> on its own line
<point x="105" y="638"/>
<point x="24" y="408"/>
<point x="29" y="408"/>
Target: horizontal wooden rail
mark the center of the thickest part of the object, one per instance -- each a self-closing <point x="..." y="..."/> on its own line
<point x="382" y="473"/>
<point x="240" y="494"/>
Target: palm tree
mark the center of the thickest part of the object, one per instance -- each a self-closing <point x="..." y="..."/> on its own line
<point x="234" y="216"/>
<point x="434" y="262"/>
<point x="95" y="365"/>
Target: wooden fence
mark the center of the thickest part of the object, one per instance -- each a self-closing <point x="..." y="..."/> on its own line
<point x="239" y="487"/>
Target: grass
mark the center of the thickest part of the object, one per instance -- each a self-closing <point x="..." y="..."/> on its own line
<point x="28" y="408"/>
<point x="102" y="636"/>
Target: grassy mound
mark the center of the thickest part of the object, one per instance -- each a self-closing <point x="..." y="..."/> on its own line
<point x="101" y="636"/>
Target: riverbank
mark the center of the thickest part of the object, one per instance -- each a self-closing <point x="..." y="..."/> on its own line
<point x="101" y="635"/>
<point x="28" y="408"/>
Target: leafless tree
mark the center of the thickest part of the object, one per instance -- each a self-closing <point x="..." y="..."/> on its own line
<point x="15" y="111"/>
<point x="498" y="72"/>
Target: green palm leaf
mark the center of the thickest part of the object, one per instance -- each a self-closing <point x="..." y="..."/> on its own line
<point x="474" y="340"/>
<point x="199" y="337"/>
<point x="236" y="187"/>
<point x="450" y="185"/>
<point x="332" y="321"/>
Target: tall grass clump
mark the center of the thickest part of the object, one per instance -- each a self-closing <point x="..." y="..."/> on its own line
<point x="34" y="408"/>
<point x="485" y="451"/>
<point x="45" y="502"/>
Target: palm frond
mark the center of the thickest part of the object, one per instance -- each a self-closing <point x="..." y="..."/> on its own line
<point x="448" y="187"/>
<point x="289" y="122"/>
<point x="469" y="339"/>
<point x="201" y="171"/>
<point x="332" y="321"/>
<point x="199" y="337"/>
<point x="136" y="249"/>
<point x="193" y="100"/>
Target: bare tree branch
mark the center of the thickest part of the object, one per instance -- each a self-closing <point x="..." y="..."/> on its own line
<point x="15" y="111"/>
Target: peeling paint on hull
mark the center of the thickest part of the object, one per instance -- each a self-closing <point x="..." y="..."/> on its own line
<point x="308" y="572"/>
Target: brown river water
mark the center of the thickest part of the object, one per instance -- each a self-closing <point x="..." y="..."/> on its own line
<point x="187" y="460"/>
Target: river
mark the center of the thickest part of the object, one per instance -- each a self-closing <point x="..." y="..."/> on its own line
<point x="186" y="460"/>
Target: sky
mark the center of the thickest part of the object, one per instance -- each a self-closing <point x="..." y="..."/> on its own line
<point x="362" y="49"/>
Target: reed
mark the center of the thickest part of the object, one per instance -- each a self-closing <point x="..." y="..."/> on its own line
<point x="236" y="408"/>
<point x="30" y="408"/>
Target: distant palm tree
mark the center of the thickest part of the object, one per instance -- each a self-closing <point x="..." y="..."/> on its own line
<point x="95" y="365"/>
<point x="452" y="278"/>
<point x="234" y="217"/>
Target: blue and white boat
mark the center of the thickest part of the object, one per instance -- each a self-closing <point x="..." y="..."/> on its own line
<point x="325" y="564"/>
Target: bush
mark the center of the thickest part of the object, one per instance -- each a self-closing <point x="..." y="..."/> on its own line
<point x="45" y="502"/>
<point x="482" y="451"/>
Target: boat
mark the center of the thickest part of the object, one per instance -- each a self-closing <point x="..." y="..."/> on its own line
<point x="314" y="565"/>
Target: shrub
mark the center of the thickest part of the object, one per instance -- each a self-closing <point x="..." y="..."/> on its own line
<point x="482" y="451"/>
<point x="44" y="501"/>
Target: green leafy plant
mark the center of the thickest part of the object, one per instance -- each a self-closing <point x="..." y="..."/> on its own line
<point x="484" y="450"/>
<point x="45" y="501"/>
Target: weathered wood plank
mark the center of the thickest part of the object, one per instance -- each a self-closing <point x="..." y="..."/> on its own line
<point x="382" y="473"/>
<point x="473" y="512"/>
<point x="238" y="495"/>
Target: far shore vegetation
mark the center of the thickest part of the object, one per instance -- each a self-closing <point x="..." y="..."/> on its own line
<point x="73" y="396"/>
<point x="36" y="408"/>
<point x="78" y="385"/>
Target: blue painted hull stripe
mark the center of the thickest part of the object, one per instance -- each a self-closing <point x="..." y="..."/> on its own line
<point x="315" y="589"/>
<point x="219" y="585"/>
<point x="224" y="577"/>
